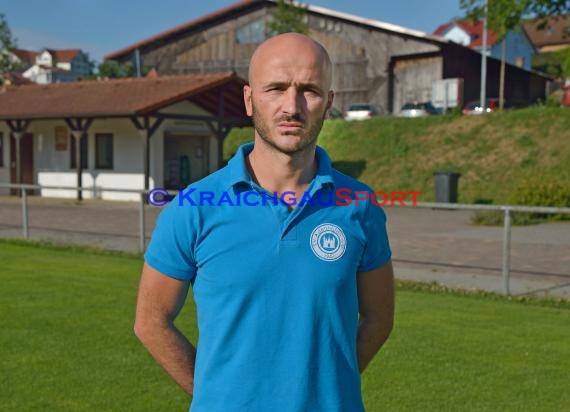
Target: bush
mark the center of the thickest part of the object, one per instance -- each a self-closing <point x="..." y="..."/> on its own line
<point x="530" y="193"/>
<point x="540" y="193"/>
<point x="488" y="217"/>
<point x="554" y="99"/>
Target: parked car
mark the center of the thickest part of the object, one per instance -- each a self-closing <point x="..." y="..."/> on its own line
<point x="474" y="107"/>
<point x="419" y="109"/>
<point x="361" y="111"/>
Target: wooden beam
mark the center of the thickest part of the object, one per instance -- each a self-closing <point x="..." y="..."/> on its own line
<point x="79" y="127"/>
<point x="17" y="129"/>
<point x="146" y="127"/>
<point x="157" y="122"/>
<point x="137" y="122"/>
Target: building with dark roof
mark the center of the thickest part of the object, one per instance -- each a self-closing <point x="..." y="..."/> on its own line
<point x="551" y="34"/>
<point x="368" y="55"/>
<point x="133" y="133"/>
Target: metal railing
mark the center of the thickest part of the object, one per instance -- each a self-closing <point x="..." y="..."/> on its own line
<point x="143" y="195"/>
<point x="507" y="223"/>
<point x="24" y="188"/>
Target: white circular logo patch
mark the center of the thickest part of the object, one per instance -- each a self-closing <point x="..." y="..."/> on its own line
<point x="328" y="242"/>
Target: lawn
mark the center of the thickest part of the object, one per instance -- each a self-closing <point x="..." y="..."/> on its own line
<point x="66" y="344"/>
<point x="495" y="154"/>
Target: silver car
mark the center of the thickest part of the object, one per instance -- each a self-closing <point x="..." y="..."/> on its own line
<point x="418" y="110"/>
<point x="362" y="111"/>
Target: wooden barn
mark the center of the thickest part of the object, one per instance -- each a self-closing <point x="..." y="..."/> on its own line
<point x="374" y="62"/>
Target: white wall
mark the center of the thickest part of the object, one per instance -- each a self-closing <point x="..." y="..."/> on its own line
<point x="45" y="58"/>
<point x="52" y="167"/>
<point x="457" y="35"/>
<point x="38" y="75"/>
<point x="96" y="182"/>
<point x="64" y="65"/>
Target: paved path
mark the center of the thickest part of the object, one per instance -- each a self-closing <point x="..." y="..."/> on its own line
<point x="428" y="245"/>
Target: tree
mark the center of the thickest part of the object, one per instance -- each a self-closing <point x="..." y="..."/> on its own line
<point x="506" y="15"/>
<point x="7" y="44"/>
<point x="536" y="8"/>
<point x="113" y="70"/>
<point x="288" y="17"/>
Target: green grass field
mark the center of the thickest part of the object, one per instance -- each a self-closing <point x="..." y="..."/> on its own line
<point x="66" y="344"/>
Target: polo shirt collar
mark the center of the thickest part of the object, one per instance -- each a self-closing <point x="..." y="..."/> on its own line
<point x="240" y="175"/>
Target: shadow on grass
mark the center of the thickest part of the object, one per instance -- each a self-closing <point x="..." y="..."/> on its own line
<point x="351" y="168"/>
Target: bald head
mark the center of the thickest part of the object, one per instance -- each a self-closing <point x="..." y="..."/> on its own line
<point x="289" y="93"/>
<point x="291" y="46"/>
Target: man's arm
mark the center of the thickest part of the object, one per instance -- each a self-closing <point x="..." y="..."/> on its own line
<point x="160" y="298"/>
<point x="376" y="308"/>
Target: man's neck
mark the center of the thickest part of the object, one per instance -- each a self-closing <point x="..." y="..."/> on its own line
<point x="279" y="172"/>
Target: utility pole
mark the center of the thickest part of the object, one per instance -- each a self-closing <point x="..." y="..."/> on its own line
<point x="138" y="71"/>
<point x="483" y="102"/>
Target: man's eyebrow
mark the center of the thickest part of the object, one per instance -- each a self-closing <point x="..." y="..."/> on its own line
<point x="302" y="86"/>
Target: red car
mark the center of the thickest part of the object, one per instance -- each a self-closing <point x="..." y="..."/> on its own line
<point x="474" y="107"/>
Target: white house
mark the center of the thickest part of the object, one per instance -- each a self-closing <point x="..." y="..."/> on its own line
<point x="132" y="133"/>
<point x="53" y="66"/>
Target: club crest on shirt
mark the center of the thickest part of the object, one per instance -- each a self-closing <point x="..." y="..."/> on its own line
<point x="328" y="242"/>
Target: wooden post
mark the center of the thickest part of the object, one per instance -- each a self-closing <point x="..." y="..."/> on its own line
<point x="79" y="129"/>
<point x="18" y="128"/>
<point x="18" y="143"/>
<point x="77" y="134"/>
<point x="144" y="133"/>
<point x="146" y="130"/>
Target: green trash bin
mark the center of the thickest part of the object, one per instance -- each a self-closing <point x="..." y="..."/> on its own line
<point x="446" y="186"/>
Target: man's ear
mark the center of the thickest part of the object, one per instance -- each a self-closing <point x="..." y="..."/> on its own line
<point x="247" y="100"/>
<point x="330" y="99"/>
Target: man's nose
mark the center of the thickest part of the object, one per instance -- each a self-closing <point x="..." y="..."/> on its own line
<point x="292" y="101"/>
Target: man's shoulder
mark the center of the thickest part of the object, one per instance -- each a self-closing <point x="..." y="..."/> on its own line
<point x="218" y="180"/>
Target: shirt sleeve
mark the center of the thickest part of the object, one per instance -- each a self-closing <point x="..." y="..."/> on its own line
<point x="171" y="248"/>
<point x="377" y="249"/>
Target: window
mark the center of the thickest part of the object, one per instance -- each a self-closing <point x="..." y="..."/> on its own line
<point x="103" y="151"/>
<point x="253" y="32"/>
<point x="83" y="150"/>
<point x="1" y="150"/>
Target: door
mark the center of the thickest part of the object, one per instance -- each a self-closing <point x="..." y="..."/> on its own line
<point x="185" y="159"/>
<point x="26" y="160"/>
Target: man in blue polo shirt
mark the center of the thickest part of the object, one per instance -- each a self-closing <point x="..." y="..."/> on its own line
<point x="289" y="264"/>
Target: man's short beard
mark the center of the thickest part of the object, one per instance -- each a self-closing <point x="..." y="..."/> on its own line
<point x="264" y="133"/>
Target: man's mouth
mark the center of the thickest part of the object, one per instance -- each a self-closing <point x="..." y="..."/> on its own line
<point x="290" y="125"/>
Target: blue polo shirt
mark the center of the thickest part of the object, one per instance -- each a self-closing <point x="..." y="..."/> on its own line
<point x="275" y="288"/>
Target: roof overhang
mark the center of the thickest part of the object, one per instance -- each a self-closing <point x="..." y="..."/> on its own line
<point x="126" y="98"/>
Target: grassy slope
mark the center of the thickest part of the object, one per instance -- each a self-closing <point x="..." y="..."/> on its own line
<point x="67" y="345"/>
<point x="494" y="153"/>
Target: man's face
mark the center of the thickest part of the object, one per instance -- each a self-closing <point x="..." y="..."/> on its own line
<point x="288" y="97"/>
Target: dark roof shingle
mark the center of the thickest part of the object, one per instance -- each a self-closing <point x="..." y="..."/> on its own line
<point x="120" y="97"/>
